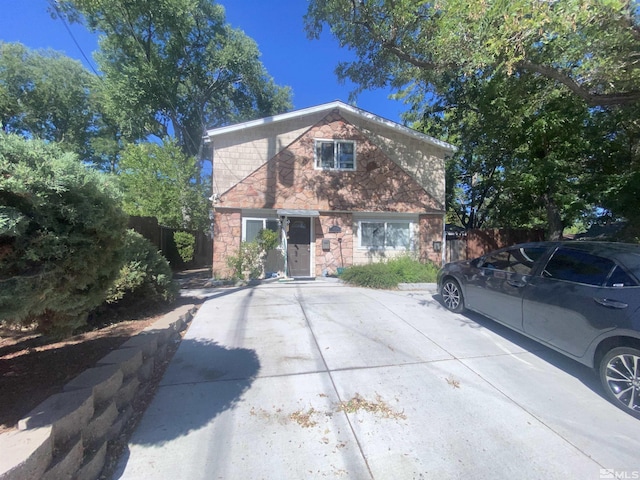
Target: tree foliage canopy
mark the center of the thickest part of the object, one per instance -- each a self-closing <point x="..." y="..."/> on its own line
<point x="588" y="46"/>
<point x="46" y="95"/>
<point x="519" y="163"/>
<point x="160" y="181"/>
<point x="176" y="67"/>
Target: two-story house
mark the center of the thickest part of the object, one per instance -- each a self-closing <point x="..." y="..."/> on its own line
<point x="342" y="186"/>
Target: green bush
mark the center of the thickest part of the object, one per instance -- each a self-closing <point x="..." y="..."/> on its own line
<point x="388" y="274"/>
<point x="61" y="236"/>
<point x="267" y="239"/>
<point x="185" y="242"/>
<point x="145" y="276"/>
<point x="249" y="262"/>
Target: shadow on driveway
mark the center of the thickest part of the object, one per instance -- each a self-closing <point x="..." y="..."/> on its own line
<point x="180" y="408"/>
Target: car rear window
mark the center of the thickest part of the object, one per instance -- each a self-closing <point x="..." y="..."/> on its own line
<point x="631" y="263"/>
<point x="579" y="267"/>
<point x="620" y="278"/>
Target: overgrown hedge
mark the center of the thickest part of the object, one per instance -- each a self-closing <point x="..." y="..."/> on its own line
<point x="62" y="231"/>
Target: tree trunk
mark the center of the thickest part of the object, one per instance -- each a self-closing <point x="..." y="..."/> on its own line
<point x="554" y="220"/>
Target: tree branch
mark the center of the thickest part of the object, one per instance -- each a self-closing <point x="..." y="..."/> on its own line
<point x="592" y="99"/>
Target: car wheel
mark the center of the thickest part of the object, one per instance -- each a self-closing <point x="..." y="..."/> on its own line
<point x="452" y="296"/>
<point x="620" y="377"/>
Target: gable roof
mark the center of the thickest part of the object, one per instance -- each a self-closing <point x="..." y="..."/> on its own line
<point x="328" y="107"/>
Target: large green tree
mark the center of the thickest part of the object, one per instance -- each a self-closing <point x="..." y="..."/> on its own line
<point x="524" y="150"/>
<point x="174" y="68"/>
<point x="46" y="95"/>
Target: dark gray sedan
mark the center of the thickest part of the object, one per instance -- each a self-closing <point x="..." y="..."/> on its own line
<point x="579" y="298"/>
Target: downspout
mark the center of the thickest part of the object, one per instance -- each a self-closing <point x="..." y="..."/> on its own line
<point x="443" y="250"/>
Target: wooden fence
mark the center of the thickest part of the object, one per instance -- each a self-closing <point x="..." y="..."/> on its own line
<point x="475" y="243"/>
<point x="162" y="238"/>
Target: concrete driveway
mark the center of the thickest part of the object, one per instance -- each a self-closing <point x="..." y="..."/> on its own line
<point x="307" y="380"/>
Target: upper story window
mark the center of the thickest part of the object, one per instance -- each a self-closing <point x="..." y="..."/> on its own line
<point x="336" y="154"/>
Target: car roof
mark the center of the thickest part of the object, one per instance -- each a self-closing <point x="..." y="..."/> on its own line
<point x="588" y="246"/>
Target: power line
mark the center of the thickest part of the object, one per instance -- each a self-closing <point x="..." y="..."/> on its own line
<point x="66" y="25"/>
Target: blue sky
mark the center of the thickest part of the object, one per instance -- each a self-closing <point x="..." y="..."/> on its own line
<point x="276" y="25"/>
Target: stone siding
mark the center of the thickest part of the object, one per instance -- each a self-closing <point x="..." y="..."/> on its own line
<point x="227" y="235"/>
<point x="431" y="230"/>
<point x="290" y="180"/>
<point x="340" y="251"/>
<point x="422" y="160"/>
<point x="237" y="154"/>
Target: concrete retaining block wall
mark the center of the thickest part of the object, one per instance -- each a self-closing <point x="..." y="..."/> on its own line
<point x="66" y="436"/>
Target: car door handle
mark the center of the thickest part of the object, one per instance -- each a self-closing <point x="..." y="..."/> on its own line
<point x="606" y="302"/>
<point x="516" y="283"/>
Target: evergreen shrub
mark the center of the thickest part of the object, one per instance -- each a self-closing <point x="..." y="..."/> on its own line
<point x="61" y="236"/>
<point x="145" y="276"/>
<point x="185" y="243"/>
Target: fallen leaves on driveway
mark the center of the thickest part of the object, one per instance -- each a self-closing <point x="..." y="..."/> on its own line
<point x="304" y="418"/>
<point x="379" y="407"/>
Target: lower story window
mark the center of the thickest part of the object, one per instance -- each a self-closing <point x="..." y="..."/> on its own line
<point x="379" y="234"/>
<point x="252" y="226"/>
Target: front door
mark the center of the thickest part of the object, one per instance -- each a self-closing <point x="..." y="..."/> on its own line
<point x="299" y="247"/>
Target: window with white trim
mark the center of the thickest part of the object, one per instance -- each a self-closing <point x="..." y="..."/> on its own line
<point x="252" y="226"/>
<point x="335" y="154"/>
<point x="395" y="234"/>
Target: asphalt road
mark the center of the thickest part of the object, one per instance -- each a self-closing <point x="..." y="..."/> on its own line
<point x="311" y="380"/>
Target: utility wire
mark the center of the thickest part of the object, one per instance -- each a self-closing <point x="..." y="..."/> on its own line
<point x="66" y="25"/>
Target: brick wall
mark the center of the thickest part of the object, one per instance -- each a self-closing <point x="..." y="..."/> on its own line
<point x="430" y="230"/>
